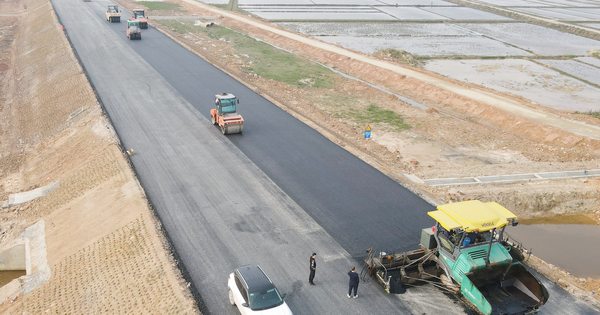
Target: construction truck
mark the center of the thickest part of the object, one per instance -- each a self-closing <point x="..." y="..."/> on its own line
<point x="467" y="252"/>
<point x="133" y="30"/>
<point x="138" y="15"/>
<point x="225" y="114"/>
<point x="113" y="14"/>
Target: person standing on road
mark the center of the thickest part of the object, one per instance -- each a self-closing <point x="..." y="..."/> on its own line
<point x="353" y="282"/>
<point x="313" y="268"/>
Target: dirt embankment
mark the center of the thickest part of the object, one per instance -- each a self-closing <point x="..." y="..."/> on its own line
<point x="105" y="249"/>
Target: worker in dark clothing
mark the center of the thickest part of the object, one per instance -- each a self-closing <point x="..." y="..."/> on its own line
<point x="353" y="282"/>
<point x="313" y="268"/>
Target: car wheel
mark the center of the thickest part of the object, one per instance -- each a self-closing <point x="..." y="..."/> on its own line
<point x="231" y="300"/>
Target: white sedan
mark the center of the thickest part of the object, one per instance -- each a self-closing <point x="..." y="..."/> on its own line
<point x="254" y="293"/>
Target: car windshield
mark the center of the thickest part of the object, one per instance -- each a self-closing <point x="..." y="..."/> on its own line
<point x="228" y="105"/>
<point x="139" y="15"/>
<point x="265" y="299"/>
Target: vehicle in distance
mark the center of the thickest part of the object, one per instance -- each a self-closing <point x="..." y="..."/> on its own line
<point x="254" y="293"/>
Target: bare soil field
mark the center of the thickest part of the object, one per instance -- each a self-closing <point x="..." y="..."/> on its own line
<point x="105" y="248"/>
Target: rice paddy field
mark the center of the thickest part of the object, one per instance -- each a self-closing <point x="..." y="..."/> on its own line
<point x="556" y="69"/>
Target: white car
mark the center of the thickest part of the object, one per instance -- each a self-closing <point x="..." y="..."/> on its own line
<point x="254" y="293"/>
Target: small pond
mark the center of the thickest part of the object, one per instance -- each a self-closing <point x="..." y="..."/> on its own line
<point x="569" y="242"/>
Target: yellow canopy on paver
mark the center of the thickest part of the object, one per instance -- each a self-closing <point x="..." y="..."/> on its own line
<point x="472" y="215"/>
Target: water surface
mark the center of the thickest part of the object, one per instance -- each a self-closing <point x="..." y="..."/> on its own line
<point x="573" y="247"/>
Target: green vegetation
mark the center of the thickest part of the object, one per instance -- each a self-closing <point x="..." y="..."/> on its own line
<point x="376" y="115"/>
<point x="595" y="114"/>
<point x="373" y="114"/>
<point x="220" y="5"/>
<point x="267" y="61"/>
<point x="155" y="5"/>
<point x="178" y="26"/>
<point x="233" y="6"/>
<point x="401" y="56"/>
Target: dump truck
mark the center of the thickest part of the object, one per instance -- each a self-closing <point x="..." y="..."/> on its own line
<point x="133" y="30"/>
<point x="113" y="14"/>
<point x="138" y="15"/>
<point x="225" y="114"/>
<point x="467" y="251"/>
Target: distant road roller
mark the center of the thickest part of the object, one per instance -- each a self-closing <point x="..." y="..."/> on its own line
<point x="113" y="14"/>
<point x="138" y="15"/>
<point x="225" y="114"/>
<point x="133" y="30"/>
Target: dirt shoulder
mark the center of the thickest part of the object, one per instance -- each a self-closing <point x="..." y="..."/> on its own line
<point x="105" y="249"/>
<point x="455" y="137"/>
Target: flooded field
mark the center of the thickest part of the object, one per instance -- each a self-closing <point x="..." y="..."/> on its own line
<point x="544" y="3"/>
<point x="410" y="13"/>
<point x="340" y="2"/>
<point x="462" y="13"/>
<point x="410" y="10"/>
<point x="577" y="69"/>
<point x="584" y="14"/>
<point x="573" y="247"/>
<point x="521" y="77"/>
<point x="592" y="25"/>
<point x="429" y="46"/>
<point x="375" y="29"/>
<point x="338" y="13"/>
<point x="423" y="39"/>
<point x="540" y="40"/>
<point x="590" y="60"/>
<point x="515" y="3"/>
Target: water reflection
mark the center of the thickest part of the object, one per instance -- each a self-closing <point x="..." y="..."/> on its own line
<point x="573" y="247"/>
<point x="6" y="276"/>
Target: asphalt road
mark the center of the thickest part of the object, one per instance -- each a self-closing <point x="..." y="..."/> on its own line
<point x="351" y="200"/>
<point x="271" y="195"/>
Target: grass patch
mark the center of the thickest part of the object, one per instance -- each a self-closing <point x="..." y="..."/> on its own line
<point x="595" y="114"/>
<point x="152" y="5"/>
<point x="181" y="27"/>
<point x="373" y="115"/>
<point x="267" y="61"/>
<point x="235" y="8"/>
<point x="401" y="56"/>
<point x="272" y="63"/>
